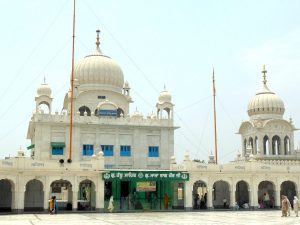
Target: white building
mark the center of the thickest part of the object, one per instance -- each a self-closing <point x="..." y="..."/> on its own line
<point x="268" y="167"/>
<point x="105" y="135"/>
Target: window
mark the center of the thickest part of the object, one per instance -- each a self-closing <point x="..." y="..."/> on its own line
<point x="125" y="150"/>
<point x="108" y="150"/>
<point x="57" y="150"/>
<point x="101" y="97"/>
<point x="88" y="150"/>
<point x="153" y="151"/>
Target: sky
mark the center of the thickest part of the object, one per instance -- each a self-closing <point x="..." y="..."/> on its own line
<point x="156" y="43"/>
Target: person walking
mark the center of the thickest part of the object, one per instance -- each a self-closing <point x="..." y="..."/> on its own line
<point x="51" y="205"/>
<point x="296" y="205"/>
<point x="111" y="204"/>
<point x="284" y="206"/>
<point x="224" y="202"/>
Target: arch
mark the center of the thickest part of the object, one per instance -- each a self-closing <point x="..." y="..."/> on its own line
<point x="287" y="145"/>
<point x="84" y="109"/>
<point x="34" y="196"/>
<point x="276" y="145"/>
<point x="255" y="145"/>
<point x="119" y="112"/>
<point x="62" y="190"/>
<point x="86" y="195"/>
<point x="199" y="195"/>
<point x="242" y="194"/>
<point x="6" y="187"/>
<point x="266" y="195"/>
<point x="221" y="194"/>
<point x="288" y="188"/>
<point x="44" y="107"/>
<point x="266" y="145"/>
<point x="250" y="141"/>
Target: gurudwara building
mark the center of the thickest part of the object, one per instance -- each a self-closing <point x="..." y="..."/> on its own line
<point x="131" y="157"/>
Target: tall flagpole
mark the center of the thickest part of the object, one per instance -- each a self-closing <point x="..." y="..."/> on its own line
<point x="215" y="118"/>
<point x="72" y="88"/>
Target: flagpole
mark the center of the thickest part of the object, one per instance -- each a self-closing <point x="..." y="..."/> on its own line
<point x="215" y="118"/>
<point x="72" y="88"/>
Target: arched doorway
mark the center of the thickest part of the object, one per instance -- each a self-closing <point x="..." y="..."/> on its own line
<point x="34" y="196"/>
<point x="5" y="195"/>
<point x="266" y="195"/>
<point x="199" y="195"/>
<point x="276" y="145"/>
<point x="266" y="145"/>
<point x="242" y="194"/>
<point x="286" y="145"/>
<point x="62" y="190"/>
<point x="221" y="194"/>
<point x="288" y="188"/>
<point x="86" y="195"/>
<point x="84" y="109"/>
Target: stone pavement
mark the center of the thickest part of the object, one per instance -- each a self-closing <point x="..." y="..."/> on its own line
<point x="153" y="218"/>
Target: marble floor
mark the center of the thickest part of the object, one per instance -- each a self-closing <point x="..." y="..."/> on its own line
<point x="153" y="218"/>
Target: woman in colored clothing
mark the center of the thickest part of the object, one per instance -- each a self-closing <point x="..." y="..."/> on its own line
<point x="52" y="205"/>
<point x="166" y="201"/>
<point x="284" y="206"/>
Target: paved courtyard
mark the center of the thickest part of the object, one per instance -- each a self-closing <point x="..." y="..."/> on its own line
<point x="169" y="218"/>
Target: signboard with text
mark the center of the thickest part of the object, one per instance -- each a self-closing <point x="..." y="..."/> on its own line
<point x="145" y="175"/>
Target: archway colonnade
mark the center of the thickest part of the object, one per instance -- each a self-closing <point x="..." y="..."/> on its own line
<point x="33" y="193"/>
<point x="238" y="193"/>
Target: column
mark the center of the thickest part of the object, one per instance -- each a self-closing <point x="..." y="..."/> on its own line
<point x="188" y="198"/>
<point x="254" y="196"/>
<point x="277" y="198"/>
<point x="232" y="197"/>
<point x="46" y="197"/>
<point x="74" y="199"/>
<point x="19" y="200"/>
<point x="100" y="195"/>
<point x="210" y="198"/>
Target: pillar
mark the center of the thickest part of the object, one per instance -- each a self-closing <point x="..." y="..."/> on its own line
<point x="100" y="195"/>
<point x="232" y="197"/>
<point x="46" y="197"/>
<point x="74" y="198"/>
<point x="277" y="198"/>
<point x="188" y="197"/>
<point x="210" y="198"/>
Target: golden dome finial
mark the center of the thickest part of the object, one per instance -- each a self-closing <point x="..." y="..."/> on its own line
<point x="264" y="71"/>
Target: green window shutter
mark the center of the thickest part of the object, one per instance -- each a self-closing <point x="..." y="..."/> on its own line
<point x="58" y="144"/>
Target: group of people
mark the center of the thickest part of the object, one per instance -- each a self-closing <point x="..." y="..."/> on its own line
<point x="200" y="202"/>
<point x="286" y="206"/>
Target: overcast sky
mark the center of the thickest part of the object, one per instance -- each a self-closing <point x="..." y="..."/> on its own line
<point x="176" y="43"/>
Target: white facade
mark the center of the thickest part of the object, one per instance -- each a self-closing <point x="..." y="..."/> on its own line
<point x="101" y="105"/>
<point x="268" y="166"/>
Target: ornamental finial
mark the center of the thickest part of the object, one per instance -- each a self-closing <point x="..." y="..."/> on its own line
<point x="98" y="40"/>
<point x="264" y="71"/>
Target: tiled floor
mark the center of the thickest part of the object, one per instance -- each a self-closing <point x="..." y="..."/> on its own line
<point x="168" y="218"/>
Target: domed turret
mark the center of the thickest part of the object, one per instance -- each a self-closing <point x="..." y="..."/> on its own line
<point x="265" y="102"/>
<point x="44" y="89"/>
<point x="99" y="69"/>
<point x="165" y="96"/>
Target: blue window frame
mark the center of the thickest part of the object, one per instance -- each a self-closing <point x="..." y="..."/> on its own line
<point x="125" y="150"/>
<point x="57" y="150"/>
<point x="153" y="151"/>
<point x="108" y="150"/>
<point x="88" y="150"/>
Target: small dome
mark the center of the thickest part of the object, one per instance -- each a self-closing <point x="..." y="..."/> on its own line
<point x="165" y="96"/>
<point x="137" y="114"/>
<point x="44" y="89"/>
<point x="100" y="69"/>
<point x="265" y="102"/>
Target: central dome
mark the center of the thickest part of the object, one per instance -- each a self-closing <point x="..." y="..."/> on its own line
<point x="265" y="102"/>
<point x="99" y="69"/>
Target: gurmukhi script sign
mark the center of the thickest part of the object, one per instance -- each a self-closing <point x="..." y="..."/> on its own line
<point x="146" y="175"/>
